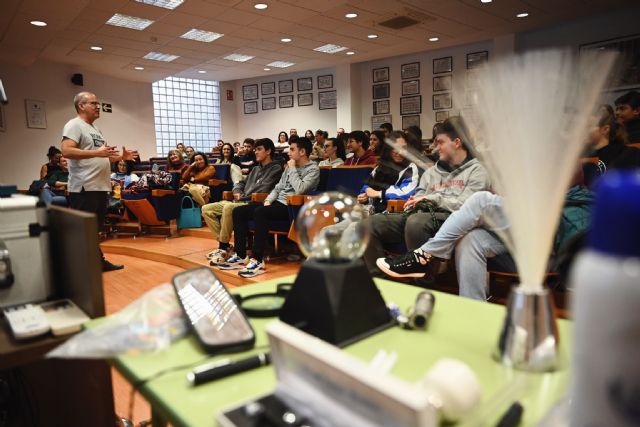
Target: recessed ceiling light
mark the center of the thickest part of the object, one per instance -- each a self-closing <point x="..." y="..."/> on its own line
<point x="522" y="15"/>
<point x="132" y="22"/>
<point x="486" y="1"/>
<point x="285" y="40"/>
<point x="96" y="48"/>
<point x="351" y="53"/>
<point x="157" y="56"/>
<point x="330" y="48"/>
<point x="281" y="64"/>
<point x="433" y="39"/>
<point x="138" y="68"/>
<point x="261" y="6"/>
<point x="167" y="4"/>
<point x="267" y="69"/>
<point x="351" y="15"/>
<point x="372" y="36"/>
<point x="38" y="23"/>
<point x="201" y="35"/>
<point x="202" y="72"/>
<point x="238" y="57"/>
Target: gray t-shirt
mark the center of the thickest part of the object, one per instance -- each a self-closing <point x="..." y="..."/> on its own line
<point x="92" y="174"/>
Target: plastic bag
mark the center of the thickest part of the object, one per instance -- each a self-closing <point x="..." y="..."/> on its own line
<point x="150" y="323"/>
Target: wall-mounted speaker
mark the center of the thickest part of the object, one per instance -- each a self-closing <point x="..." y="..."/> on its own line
<point x="77" y="80"/>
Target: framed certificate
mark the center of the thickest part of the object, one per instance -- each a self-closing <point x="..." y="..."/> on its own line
<point x="441" y="116"/>
<point x="443" y="65"/>
<point x="286" y="101"/>
<point x="410" y="105"/>
<point x="442" y="83"/>
<point x="285" y="86"/>
<point x="249" y="92"/>
<point x="376" y="121"/>
<point x="305" y="99"/>
<point x="477" y="59"/>
<point x="410" y="71"/>
<point x="381" y="74"/>
<point x="381" y="107"/>
<point x="36" y="114"/>
<point x="268" y="88"/>
<point x="305" y="83"/>
<point x="408" y="121"/>
<point x="442" y="101"/>
<point x="251" y="107"/>
<point x="269" y="103"/>
<point x="325" y="82"/>
<point x="327" y="100"/>
<point x="381" y="91"/>
<point x="410" y="87"/>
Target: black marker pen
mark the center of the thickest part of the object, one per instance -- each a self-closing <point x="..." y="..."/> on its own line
<point x="225" y="368"/>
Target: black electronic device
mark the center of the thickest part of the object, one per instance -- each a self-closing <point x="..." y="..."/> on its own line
<point x="77" y="79"/>
<point x="212" y="313"/>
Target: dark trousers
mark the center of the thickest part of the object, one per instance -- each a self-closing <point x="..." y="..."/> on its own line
<point x="261" y="216"/>
<point x="91" y="201"/>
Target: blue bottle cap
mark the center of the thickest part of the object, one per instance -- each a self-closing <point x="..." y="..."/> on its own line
<point x="615" y="227"/>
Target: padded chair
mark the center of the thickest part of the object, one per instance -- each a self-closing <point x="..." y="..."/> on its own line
<point x="348" y="179"/>
<point x="221" y="183"/>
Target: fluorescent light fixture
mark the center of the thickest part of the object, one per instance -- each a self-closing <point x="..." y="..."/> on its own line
<point x="351" y="53"/>
<point x="167" y="4"/>
<point x="281" y="64"/>
<point x="267" y="69"/>
<point x="96" y="48"/>
<point x="201" y="35"/>
<point x="138" y="68"/>
<point x="238" y="57"/>
<point x="522" y="15"/>
<point x="330" y="48"/>
<point x="285" y="40"/>
<point x="38" y="23"/>
<point x="351" y="15"/>
<point x="261" y="6"/>
<point x="372" y="36"/>
<point x="132" y="22"/>
<point x="433" y="39"/>
<point x="202" y="72"/>
<point x="157" y="56"/>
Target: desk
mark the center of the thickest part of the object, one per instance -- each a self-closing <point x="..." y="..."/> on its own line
<point x="460" y="328"/>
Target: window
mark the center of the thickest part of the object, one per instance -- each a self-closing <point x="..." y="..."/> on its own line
<point x="187" y="111"/>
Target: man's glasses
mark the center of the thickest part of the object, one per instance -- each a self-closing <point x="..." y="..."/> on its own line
<point x="94" y="103"/>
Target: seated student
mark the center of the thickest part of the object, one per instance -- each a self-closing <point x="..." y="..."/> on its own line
<point x="175" y="162"/>
<point x="317" y="152"/>
<point x="358" y="145"/>
<point x="54" y="194"/>
<point x="628" y="114"/>
<point x="386" y="128"/>
<point x="190" y="151"/>
<point x="376" y="142"/>
<point x="608" y="140"/>
<point x="54" y="155"/>
<point x="283" y="141"/>
<point x="293" y="131"/>
<point x="218" y="215"/>
<point x="246" y="158"/>
<point x="181" y="149"/>
<point x="227" y="159"/>
<point x="236" y="148"/>
<point x="122" y="173"/>
<point x="301" y="176"/>
<point x="334" y="153"/>
<point x="196" y="178"/>
<point x="442" y="189"/>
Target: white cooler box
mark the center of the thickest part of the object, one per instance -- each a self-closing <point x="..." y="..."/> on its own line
<point x="24" y="249"/>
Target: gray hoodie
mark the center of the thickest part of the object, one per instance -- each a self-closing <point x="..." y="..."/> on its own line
<point x="261" y="179"/>
<point x="295" y="181"/>
<point x="450" y="187"/>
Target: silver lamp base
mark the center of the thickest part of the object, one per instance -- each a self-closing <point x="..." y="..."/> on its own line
<point x="529" y="336"/>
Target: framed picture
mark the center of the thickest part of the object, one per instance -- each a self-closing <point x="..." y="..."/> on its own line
<point x="625" y="76"/>
<point x="441" y="116"/>
<point x="325" y="82"/>
<point x="381" y="74"/>
<point x="36" y="114"/>
<point x="477" y="59"/>
<point x="269" y="103"/>
<point x="381" y="91"/>
<point x="251" y="107"/>
<point x="442" y="83"/>
<point x="249" y="92"/>
<point x="305" y="99"/>
<point x="268" y="88"/>
<point x="410" y="71"/>
<point x="410" y="105"/>
<point x="381" y="107"/>
<point x="305" y="83"/>
<point x="327" y="100"/>
<point x="411" y="87"/>
<point x="442" y="101"/>
<point x="376" y="121"/>
<point x="285" y="86"/>
<point x="286" y="101"/>
<point x="408" y="121"/>
<point x="443" y="65"/>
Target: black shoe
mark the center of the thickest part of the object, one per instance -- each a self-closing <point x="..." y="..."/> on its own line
<point x="107" y="266"/>
<point x="411" y="264"/>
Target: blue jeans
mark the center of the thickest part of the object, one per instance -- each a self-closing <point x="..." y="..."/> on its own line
<point x="50" y="198"/>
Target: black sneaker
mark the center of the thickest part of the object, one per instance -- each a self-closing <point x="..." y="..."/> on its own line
<point x="411" y="264"/>
<point x="107" y="266"/>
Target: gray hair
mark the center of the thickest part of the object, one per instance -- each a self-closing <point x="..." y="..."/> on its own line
<point x="79" y="99"/>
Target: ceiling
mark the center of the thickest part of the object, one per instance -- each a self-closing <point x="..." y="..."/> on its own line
<point x="76" y="25"/>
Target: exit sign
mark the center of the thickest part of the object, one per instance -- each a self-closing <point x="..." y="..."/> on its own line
<point x="106" y="108"/>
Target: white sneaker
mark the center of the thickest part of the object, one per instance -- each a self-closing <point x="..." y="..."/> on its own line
<point x="219" y="256"/>
<point x="254" y="268"/>
<point x="234" y="263"/>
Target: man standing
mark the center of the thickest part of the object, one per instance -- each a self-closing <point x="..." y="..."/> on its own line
<point x="89" y="162"/>
<point x="300" y="177"/>
<point x="261" y="179"/>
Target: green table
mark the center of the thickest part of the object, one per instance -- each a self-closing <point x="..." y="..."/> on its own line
<point x="459" y="328"/>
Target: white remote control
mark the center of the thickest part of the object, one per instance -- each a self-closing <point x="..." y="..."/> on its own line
<point x="27" y="321"/>
<point x="64" y="316"/>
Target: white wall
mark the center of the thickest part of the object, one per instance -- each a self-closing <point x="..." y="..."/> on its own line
<point x="131" y="124"/>
<point x="267" y="124"/>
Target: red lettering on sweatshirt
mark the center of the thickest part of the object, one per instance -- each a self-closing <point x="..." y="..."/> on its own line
<point x="447" y="184"/>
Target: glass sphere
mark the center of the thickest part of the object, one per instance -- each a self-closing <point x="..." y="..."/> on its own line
<point x="333" y="227"/>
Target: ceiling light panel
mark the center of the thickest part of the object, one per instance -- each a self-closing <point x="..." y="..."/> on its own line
<point x="157" y="56"/>
<point x="131" y="22"/>
<point x="238" y="57"/>
<point x="281" y="64"/>
<point x="330" y="48"/>
<point x="167" y="4"/>
<point x="201" y="35"/>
